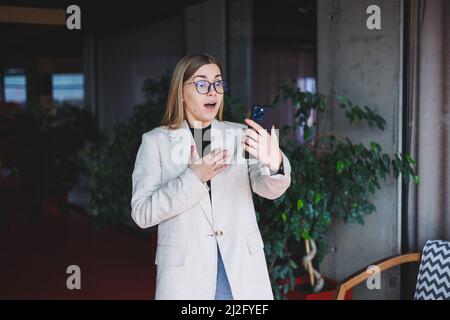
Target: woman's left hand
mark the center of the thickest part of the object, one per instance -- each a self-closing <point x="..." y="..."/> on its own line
<point x="262" y="145"/>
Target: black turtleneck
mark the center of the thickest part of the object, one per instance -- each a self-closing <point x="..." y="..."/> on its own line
<point x="202" y="138"/>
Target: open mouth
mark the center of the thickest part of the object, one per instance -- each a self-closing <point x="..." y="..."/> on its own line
<point x="210" y="105"/>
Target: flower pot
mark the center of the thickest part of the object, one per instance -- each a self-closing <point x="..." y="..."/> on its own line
<point x="303" y="290"/>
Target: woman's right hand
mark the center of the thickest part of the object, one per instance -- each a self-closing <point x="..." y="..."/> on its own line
<point x="210" y="165"/>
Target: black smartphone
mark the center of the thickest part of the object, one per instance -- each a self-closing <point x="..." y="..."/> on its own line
<point x="266" y="117"/>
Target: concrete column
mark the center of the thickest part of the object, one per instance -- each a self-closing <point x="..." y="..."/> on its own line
<point x="366" y="66"/>
<point x="205" y="29"/>
<point x="239" y="49"/>
<point x="90" y="73"/>
<point x="2" y="85"/>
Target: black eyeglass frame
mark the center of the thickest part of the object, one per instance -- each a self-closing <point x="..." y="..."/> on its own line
<point x="224" y="85"/>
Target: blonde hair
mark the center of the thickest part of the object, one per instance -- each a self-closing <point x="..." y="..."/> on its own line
<point x="185" y="68"/>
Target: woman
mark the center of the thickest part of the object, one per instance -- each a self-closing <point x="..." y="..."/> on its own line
<point x="200" y="196"/>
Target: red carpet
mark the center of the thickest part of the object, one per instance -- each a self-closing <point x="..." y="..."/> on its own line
<point x="116" y="263"/>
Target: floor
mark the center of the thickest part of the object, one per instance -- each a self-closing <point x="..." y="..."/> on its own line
<point x="115" y="262"/>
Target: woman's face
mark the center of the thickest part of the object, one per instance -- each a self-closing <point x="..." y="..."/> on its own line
<point x="202" y="107"/>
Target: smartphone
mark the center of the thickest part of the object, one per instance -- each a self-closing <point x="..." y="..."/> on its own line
<point x="266" y="117"/>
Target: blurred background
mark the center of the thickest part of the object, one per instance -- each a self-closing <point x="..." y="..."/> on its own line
<point x="75" y="103"/>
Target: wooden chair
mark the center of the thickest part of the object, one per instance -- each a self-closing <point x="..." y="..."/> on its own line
<point x="433" y="281"/>
<point x="363" y="274"/>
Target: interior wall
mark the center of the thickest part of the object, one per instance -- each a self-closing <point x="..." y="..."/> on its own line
<point x="366" y="66"/>
<point x="124" y="60"/>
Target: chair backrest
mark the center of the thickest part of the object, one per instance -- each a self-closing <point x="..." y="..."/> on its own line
<point x="363" y="274"/>
<point x="433" y="281"/>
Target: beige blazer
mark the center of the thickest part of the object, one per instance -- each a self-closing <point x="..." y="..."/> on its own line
<point x="167" y="193"/>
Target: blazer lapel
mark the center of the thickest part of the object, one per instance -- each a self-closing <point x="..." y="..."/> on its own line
<point x="218" y="183"/>
<point x="220" y="139"/>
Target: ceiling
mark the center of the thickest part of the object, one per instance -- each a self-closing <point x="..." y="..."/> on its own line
<point x="104" y="17"/>
<point x="285" y="22"/>
<point x="97" y="18"/>
<point x="279" y="22"/>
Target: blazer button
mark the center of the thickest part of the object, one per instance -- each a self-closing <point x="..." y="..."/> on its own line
<point x="218" y="233"/>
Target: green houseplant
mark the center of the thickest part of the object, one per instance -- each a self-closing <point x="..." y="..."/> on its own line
<point x="332" y="178"/>
<point x="110" y="160"/>
<point x="47" y="153"/>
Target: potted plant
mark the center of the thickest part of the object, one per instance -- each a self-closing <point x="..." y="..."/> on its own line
<point x="9" y="179"/>
<point x="110" y="159"/>
<point x="47" y="154"/>
<point x="332" y="178"/>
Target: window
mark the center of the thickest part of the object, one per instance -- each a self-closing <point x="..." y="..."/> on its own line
<point x="307" y="84"/>
<point x="68" y="88"/>
<point x="15" y="86"/>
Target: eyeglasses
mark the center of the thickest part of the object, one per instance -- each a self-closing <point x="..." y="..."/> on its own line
<point x="203" y="86"/>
